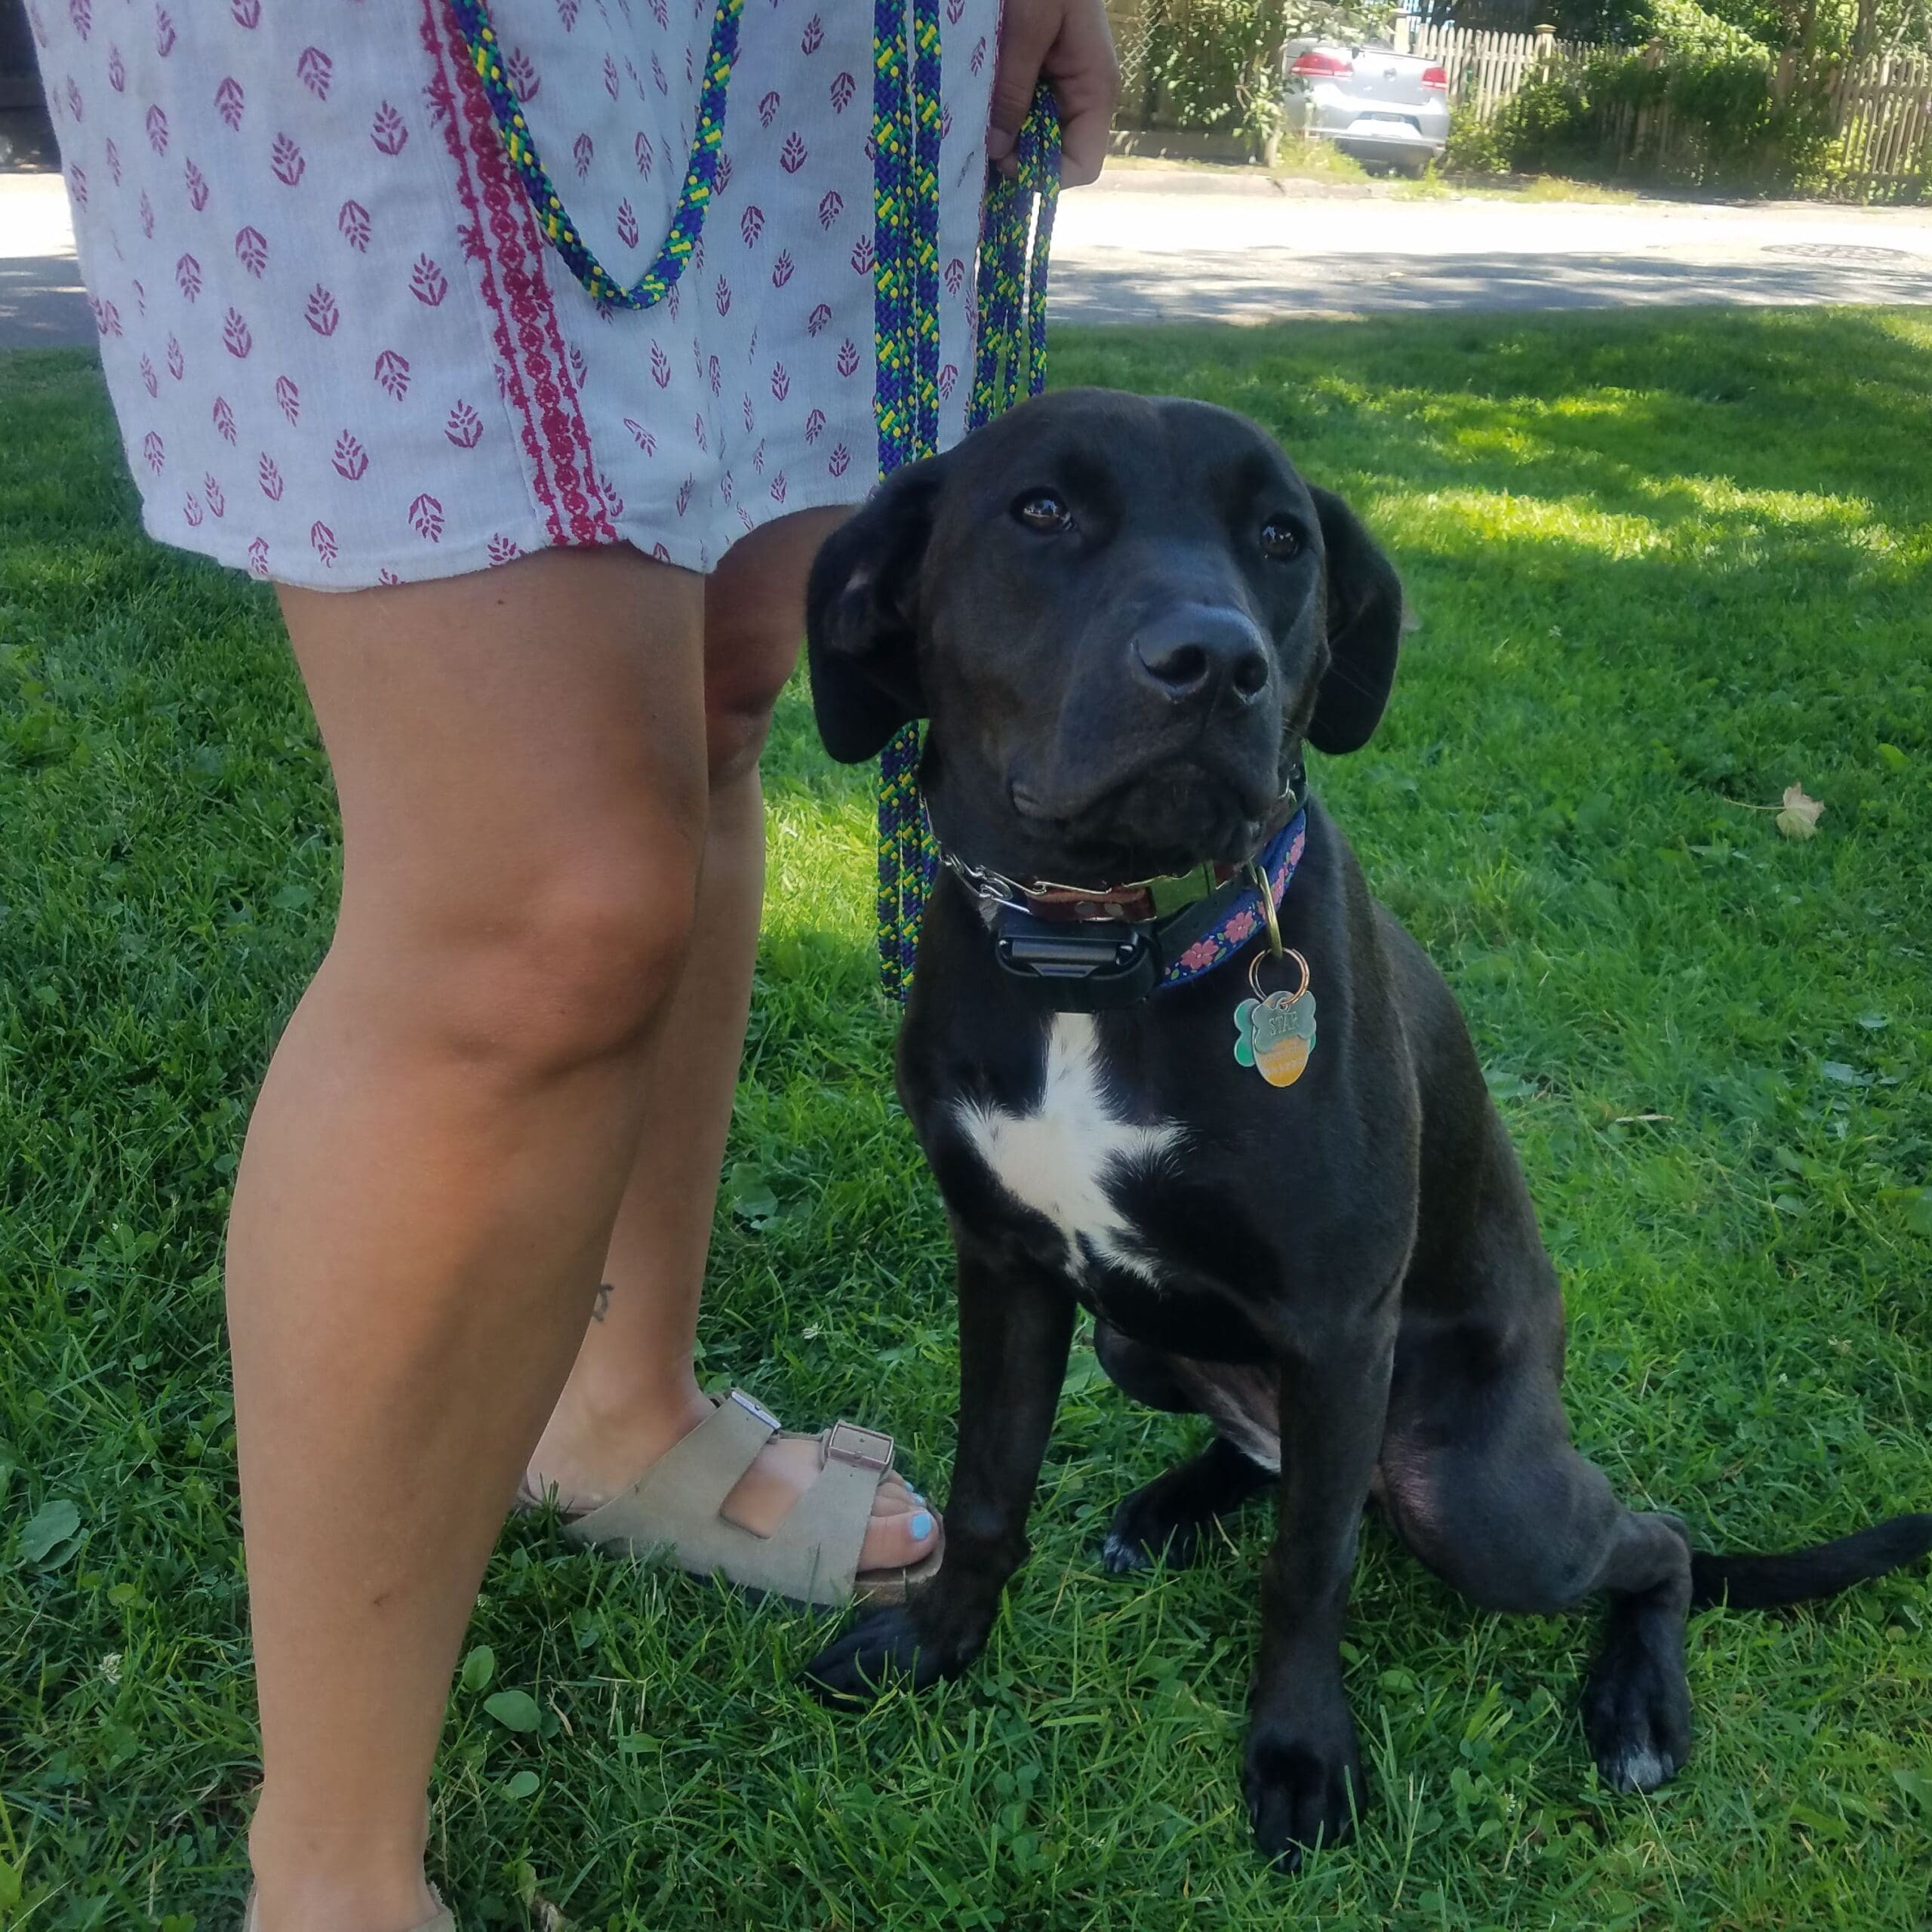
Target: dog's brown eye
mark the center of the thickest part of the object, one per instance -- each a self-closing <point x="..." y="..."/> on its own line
<point x="1041" y="510"/>
<point x="1279" y="539"/>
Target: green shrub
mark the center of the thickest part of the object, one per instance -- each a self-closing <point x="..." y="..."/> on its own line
<point x="1215" y="64"/>
<point x="1546" y="125"/>
<point x="1729" y="127"/>
<point x="1476" y="147"/>
<point x="1210" y="65"/>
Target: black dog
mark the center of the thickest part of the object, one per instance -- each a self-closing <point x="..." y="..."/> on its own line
<point x="1124" y="619"/>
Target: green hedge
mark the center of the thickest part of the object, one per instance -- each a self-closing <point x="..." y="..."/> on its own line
<point x="1731" y="129"/>
<point x="1214" y="65"/>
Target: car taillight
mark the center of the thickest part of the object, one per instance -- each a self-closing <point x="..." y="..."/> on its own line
<point x="1437" y="78"/>
<point x="1313" y="65"/>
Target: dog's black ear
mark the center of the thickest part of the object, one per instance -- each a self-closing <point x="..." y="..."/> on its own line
<point x="861" y="616"/>
<point x="1364" y="631"/>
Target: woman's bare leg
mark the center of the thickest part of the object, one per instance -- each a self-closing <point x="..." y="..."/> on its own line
<point x="632" y="1393"/>
<point x="434" y="1164"/>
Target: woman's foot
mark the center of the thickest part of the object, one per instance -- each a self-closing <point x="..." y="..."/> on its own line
<point x="588" y="1459"/>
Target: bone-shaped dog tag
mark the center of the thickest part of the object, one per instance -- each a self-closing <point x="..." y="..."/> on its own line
<point x="1275" y="1035"/>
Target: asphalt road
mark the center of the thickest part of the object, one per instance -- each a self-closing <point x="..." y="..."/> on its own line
<point x="42" y="304"/>
<point x="1152" y="245"/>
<point x="1147" y="246"/>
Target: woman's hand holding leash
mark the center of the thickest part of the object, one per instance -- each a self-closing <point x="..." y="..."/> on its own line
<point x="1068" y="45"/>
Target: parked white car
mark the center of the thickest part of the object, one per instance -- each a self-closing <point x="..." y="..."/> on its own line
<point x="1371" y="102"/>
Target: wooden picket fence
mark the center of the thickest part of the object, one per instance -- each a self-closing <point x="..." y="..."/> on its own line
<point x="1882" y="109"/>
<point x="1881" y="120"/>
<point x="1484" y="69"/>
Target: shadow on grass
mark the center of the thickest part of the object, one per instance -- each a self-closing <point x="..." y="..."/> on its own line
<point x="1636" y="400"/>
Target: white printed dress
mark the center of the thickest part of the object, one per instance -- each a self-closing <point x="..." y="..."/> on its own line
<point x="341" y="352"/>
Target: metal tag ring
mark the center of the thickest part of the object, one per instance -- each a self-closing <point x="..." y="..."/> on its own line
<point x="1255" y="964"/>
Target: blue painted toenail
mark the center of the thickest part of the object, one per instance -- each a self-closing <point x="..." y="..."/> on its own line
<point x="921" y="1527"/>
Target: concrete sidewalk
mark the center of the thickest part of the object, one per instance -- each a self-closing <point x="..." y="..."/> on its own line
<point x="1164" y="245"/>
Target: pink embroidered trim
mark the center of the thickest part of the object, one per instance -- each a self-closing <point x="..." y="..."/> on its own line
<point x="506" y="247"/>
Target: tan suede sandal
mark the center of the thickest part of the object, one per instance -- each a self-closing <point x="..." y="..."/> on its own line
<point x="444" y="1921"/>
<point x="812" y="1557"/>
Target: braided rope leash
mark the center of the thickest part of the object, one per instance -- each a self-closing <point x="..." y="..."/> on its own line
<point x="1010" y="362"/>
<point x="479" y="38"/>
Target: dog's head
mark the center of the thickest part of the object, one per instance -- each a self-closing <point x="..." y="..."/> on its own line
<point x="1122" y="617"/>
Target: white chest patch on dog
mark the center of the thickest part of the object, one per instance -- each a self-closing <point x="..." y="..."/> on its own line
<point x="1063" y="1159"/>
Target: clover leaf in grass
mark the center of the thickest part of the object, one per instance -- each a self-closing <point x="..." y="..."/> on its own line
<point x="514" y="1710"/>
<point x="49" y="1535"/>
<point x="1504" y="1085"/>
<point x="750" y="1194"/>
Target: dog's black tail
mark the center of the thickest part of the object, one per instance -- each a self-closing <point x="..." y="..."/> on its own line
<point x="1797" y="1576"/>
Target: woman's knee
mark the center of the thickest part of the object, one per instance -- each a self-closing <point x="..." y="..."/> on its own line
<point x="567" y="962"/>
<point x="754" y="623"/>
<point x="757" y="659"/>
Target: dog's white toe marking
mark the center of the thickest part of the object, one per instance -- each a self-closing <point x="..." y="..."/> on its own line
<point x="1637" y="1769"/>
<point x="1067" y="1158"/>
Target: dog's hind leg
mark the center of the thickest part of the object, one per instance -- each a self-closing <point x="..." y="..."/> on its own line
<point x="1478" y="1472"/>
<point x="1637" y="1703"/>
<point x="1498" y="1503"/>
<point x="1166" y="1517"/>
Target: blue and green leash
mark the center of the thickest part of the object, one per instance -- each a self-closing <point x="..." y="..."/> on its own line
<point x="1010" y="355"/>
<point x="1010" y="362"/>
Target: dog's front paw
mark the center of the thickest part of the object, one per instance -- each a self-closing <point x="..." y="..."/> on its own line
<point x="1304" y="1788"/>
<point x="890" y="1648"/>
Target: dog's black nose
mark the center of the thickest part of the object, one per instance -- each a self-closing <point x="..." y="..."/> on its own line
<point x="1199" y="653"/>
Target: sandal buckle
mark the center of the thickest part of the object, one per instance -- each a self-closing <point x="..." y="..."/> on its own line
<point x="863" y="1448"/>
<point x="752" y="1406"/>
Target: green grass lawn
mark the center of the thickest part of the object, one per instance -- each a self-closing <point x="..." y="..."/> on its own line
<point x="1667" y="565"/>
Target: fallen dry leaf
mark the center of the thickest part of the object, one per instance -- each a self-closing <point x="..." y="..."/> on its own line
<point x="1799" y="819"/>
